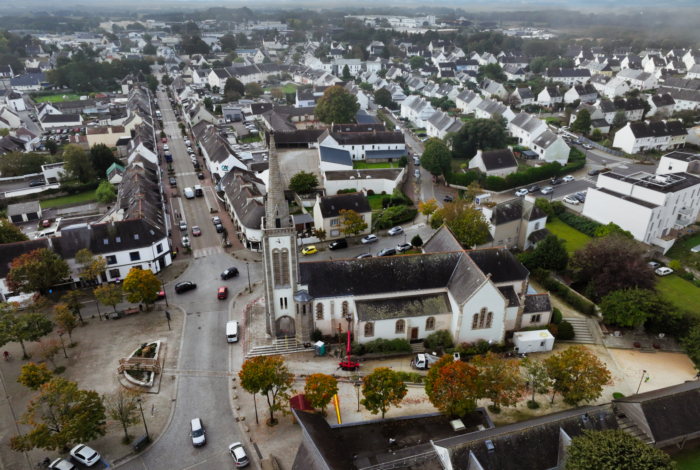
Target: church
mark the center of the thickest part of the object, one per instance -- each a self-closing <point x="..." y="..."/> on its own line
<point x="475" y="294"/>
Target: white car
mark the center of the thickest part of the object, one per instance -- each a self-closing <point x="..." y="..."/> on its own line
<point x="165" y="147"/>
<point x="653" y="264"/>
<point x="571" y="200"/>
<point x="197" y="433"/>
<point x="588" y="147"/>
<point x="664" y="271"/>
<point x="85" y="455"/>
<point x="240" y="458"/>
<point x="395" y="231"/>
<point x="568" y="178"/>
<point x="185" y="241"/>
<point x="521" y="192"/>
<point x="403" y="247"/>
<point x="60" y="464"/>
<point x="371" y="238"/>
<point x="547" y="190"/>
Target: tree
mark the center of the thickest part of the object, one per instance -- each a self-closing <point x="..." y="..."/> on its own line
<point x="499" y="380"/>
<point x="436" y="158"/>
<point x="352" y="222"/>
<point x="416" y="62"/>
<point x="35" y="271"/>
<point x="91" y="266"/>
<point x="478" y="134"/>
<point x="320" y="389"/>
<point x="381" y="389"/>
<point x="320" y="234"/>
<point x="152" y="81"/>
<point x="582" y="123"/>
<point x="269" y="376"/>
<point x="277" y="93"/>
<point x="537" y="378"/>
<point x="51" y="146"/>
<point x="47" y="349"/>
<point x="417" y="241"/>
<point x="473" y="190"/>
<point x="254" y="90"/>
<point x="612" y="229"/>
<point x="346" y="73"/>
<point x="208" y="103"/>
<point x="578" y="375"/>
<point x="102" y="158"/>
<point x="65" y="319"/>
<point x="109" y="294"/>
<point x="77" y="164"/>
<point x="105" y="192"/>
<point x="691" y="343"/>
<point x="612" y="263"/>
<point x="428" y="208"/>
<point x="620" y="119"/>
<point x="34" y="376"/>
<point x="16" y="328"/>
<point x="123" y="407"/>
<point x="614" y="449"/>
<point x="596" y="135"/>
<point x="470" y="227"/>
<point x="303" y="182"/>
<point x="452" y="387"/>
<point x="631" y="307"/>
<point x="513" y="100"/>
<point x="72" y="300"/>
<point x="337" y="106"/>
<point x="228" y="42"/>
<point x="61" y="416"/>
<point x="233" y="85"/>
<point x="382" y="97"/>
<point x="141" y="285"/>
<point x="10" y="233"/>
<point x="551" y="254"/>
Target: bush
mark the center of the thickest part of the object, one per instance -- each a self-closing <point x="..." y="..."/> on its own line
<point x="675" y="265"/>
<point x="410" y="377"/>
<point x="370" y="192"/>
<point x="618" y="395"/>
<point x="396" y="215"/>
<point x="556" y="316"/>
<point x="381" y="346"/>
<point x="417" y="241"/>
<point x="558" y="207"/>
<point x="461" y="179"/>
<point x="533" y="405"/>
<point x="582" y="224"/>
<point x="439" y="338"/>
<point x="347" y="191"/>
<point x="403" y="161"/>
<point x="316" y="336"/>
<point x="686" y="275"/>
<point x="566" y="331"/>
<point x="564" y="292"/>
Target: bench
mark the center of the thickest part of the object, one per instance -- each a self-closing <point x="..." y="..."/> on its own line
<point x="129" y="311"/>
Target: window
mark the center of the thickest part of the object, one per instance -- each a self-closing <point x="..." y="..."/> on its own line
<point x="369" y="329"/>
<point x="135" y="256"/>
<point x="489" y="319"/>
<point x="285" y="303"/>
<point x="534" y="318"/>
<point x="115" y="273"/>
<point x="345" y="307"/>
<point x="119" y="239"/>
<point x="475" y="321"/>
<point x="136" y="236"/>
<point x="281" y="302"/>
<point x="106" y="240"/>
<point x="537" y="225"/>
<point x="335" y="222"/>
<point x="500" y="242"/>
<point x="319" y="311"/>
<point x="159" y="247"/>
<point x="111" y="259"/>
<point x="430" y="323"/>
<point x="400" y="326"/>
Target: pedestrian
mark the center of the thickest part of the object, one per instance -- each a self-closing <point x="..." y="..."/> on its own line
<point x="177" y="249"/>
<point x="140" y="308"/>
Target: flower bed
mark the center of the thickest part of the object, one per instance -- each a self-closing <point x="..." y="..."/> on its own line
<point x="143" y="378"/>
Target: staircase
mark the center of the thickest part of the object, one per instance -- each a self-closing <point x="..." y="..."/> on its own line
<point x="583" y="334"/>
<point x="631" y="428"/>
<point x="417" y="348"/>
<point x="289" y="347"/>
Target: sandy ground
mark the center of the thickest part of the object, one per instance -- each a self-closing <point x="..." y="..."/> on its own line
<point x="663" y="368"/>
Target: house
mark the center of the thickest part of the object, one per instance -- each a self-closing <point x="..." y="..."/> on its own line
<point x="244" y="194"/>
<point x="24" y="212"/>
<point x="524" y="95"/>
<point x="219" y="158"/>
<point x="54" y="121"/>
<point x="489" y="108"/>
<point x="661" y="106"/>
<point x="639" y="79"/>
<point x="327" y="213"/>
<point x="440" y="124"/>
<point x="14" y="100"/>
<point x="514" y="72"/>
<point x="495" y="162"/>
<point x="549" y="97"/>
<point x="491" y="89"/>
<point x="467" y="101"/>
<point x="584" y="93"/>
<point x="632" y="107"/>
<point x="362" y="97"/>
<point x="379" y="180"/>
<point x="375" y="146"/>
<point x="610" y="87"/>
<point x="638" y="137"/>
<point x="29" y="82"/>
<point x="693" y="72"/>
<point x="685" y="99"/>
<point x="653" y="208"/>
<point x="654" y="64"/>
<point x="9" y="119"/>
<point x="516" y="223"/>
<point x="115" y="174"/>
<point x="567" y="76"/>
<point x="551" y="147"/>
<point x="417" y="110"/>
<point x="526" y="127"/>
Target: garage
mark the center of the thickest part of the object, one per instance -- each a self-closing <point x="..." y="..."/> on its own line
<point x="24" y="212"/>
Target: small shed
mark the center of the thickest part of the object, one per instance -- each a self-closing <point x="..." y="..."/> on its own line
<point x="24" y="212"/>
<point x="533" y="341"/>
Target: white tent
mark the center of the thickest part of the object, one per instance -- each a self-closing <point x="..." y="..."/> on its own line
<point x="533" y="341"/>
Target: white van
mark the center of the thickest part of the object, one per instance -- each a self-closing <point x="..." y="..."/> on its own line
<point x="158" y="113"/>
<point x="232" y="331"/>
<point x="189" y="194"/>
<point x="198" y="190"/>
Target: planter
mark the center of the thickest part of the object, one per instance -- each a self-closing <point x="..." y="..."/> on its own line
<point x="150" y="374"/>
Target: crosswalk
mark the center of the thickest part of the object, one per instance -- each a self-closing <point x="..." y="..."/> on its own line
<point x="204" y="252"/>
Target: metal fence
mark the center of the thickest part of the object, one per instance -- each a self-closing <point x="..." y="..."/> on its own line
<point x="617" y="153"/>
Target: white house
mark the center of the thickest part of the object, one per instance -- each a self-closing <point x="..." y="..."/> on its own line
<point x="244" y="194"/>
<point x="585" y="93"/>
<point x="685" y="99"/>
<point x="637" y="137"/>
<point x="366" y="145"/>
<point x="639" y="79"/>
<point x="54" y="121"/>
<point x="515" y="223"/>
<point x="327" y="214"/>
<point x="379" y="180"/>
<point x="491" y="89"/>
<point x="652" y="207"/>
<point x="549" y="97"/>
<point x="467" y="101"/>
<point x="551" y="147"/>
<point x="661" y="105"/>
<point x="440" y="124"/>
<point x="417" y="110"/>
<point x="610" y="87"/>
<point x="489" y="108"/>
<point x="567" y="76"/>
<point x="526" y="127"/>
<point x="495" y="162"/>
<point x="524" y="95"/>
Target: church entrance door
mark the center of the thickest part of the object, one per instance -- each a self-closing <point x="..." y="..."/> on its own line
<point x="285" y="327"/>
<point x="414" y="333"/>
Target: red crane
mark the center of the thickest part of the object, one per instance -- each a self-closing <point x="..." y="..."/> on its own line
<point x="347" y="364"/>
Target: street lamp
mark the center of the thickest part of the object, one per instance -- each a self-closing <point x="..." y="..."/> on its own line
<point x="640" y="381"/>
<point x="357" y="386"/>
<point x="60" y="335"/>
<point x="144" y="418"/>
<point x="247" y="267"/>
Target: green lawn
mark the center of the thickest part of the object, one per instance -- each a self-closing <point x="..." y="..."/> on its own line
<point x="688" y="459"/>
<point x="251" y="138"/>
<point x="288" y="88"/>
<point x="58" y="97"/>
<point x="553" y="120"/>
<point x="679" y="292"/>
<point x="360" y="165"/>
<point x="457" y="163"/>
<point x="469" y="117"/>
<point x="375" y="202"/>
<point x="72" y="199"/>
<point x="574" y="238"/>
<point x="681" y="248"/>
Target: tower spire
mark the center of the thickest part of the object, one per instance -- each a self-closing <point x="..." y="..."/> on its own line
<point x="276" y="209"/>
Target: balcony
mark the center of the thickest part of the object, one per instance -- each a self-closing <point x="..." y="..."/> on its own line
<point x="683" y="222"/>
<point x="686" y="211"/>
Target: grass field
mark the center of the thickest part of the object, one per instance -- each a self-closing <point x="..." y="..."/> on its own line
<point x="679" y="292"/>
<point x="288" y="88"/>
<point x="57" y="98"/>
<point x="681" y="248"/>
<point x="457" y="162"/>
<point x="72" y="199"/>
<point x="574" y="238"/>
<point x="359" y="165"/>
<point x="688" y="459"/>
<point x="469" y="117"/>
<point x="375" y="202"/>
<point x="251" y="138"/>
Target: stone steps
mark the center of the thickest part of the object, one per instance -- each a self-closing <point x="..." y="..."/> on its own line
<point x="583" y="333"/>
<point x="280" y="348"/>
<point x="417" y="348"/>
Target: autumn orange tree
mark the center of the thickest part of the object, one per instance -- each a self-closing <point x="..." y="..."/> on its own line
<point x="35" y="271"/>
<point x="320" y="389"/>
<point x="499" y="381"/>
<point x="141" y="285"/>
<point x="381" y="389"/>
<point x="352" y="222"/>
<point x="65" y="319"/>
<point x="427" y="208"/>
<point x="452" y="387"/>
<point x="578" y="375"/>
<point x="269" y="376"/>
<point x="34" y="376"/>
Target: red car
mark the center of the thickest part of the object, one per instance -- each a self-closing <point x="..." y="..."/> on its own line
<point x="196" y="231"/>
<point x="223" y="292"/>
<point x="161" y="295"/>
<point x="46" y="223"/>
<point x="164" y="140"/>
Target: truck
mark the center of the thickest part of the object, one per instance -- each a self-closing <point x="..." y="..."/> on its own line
<point x="425" y="361"/>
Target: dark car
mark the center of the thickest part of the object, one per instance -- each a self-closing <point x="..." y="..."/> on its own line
<point x="184" y="286"/>
<point x="448" y="198"/>
<point x="363" y="255"/>
<point x="33" y="183"/>
<point x="338" y="244"/>
<point x="581" y="196"/>
<point x="557" y="181"/>
<point x="577" y="142"/>
<point x="200" y="176"/>
<point x="533" y="189"/>
<point x="593" y="172"/>
<point x="229" y="273"/>
<point x="219" y="228"/>
<point x="387" y="252"/>
<point x="173" y="182"/>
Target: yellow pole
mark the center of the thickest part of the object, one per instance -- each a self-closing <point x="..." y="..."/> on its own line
<point x="337" y="408"/>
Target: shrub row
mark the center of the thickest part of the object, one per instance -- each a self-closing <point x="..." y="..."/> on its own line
<point x="580" y="223"/>
<point x="461" y="179"/>
<point x="396" y="215"/>
<point x="564" y="292"/>
<point x="439" y="338"/>
<point x="381" y="346"/>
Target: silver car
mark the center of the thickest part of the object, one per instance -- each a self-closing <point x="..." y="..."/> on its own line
<point x="547" y="190"/>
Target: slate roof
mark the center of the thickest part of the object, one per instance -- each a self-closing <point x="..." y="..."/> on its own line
<point x="500" y="263"/>
<point x="10" y="251"/>
<point x="525" y="93"/>
<point x="442" y="241"/>
<point x="332" y="205"/>
<point x="498" y="159"/>
<point x="663" y="100"/>
<point x="401" y="307"/>
<point x="23" y="208"/>
<point x="567" y="73"/>
<point x="527" y="122"/>
<point x="325" y="442"/>
<point x="362" y="127"/>
<point x="510" y="295"/>
<point x="243" y="189"/>
<point x="546" y="139"/>
<point x="58" y="118"/>
<point x="515" y="209"/>
<point x="539" y="235"/>
<point x="334" y="155"/>
<point x="368" y="138"/>
<point x="537" y="303"/>
<point x="383" y="154"/>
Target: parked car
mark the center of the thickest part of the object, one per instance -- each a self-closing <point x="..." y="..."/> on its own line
<point x="200" y="176"/>
<point x="403" y="247"/>
<point x="448" y="198"/>
<point x="547" y="190"/>
<point x="521" y="192"/>
<point x="173" y="182"/>
<point x="533" y="189"/>
<point x="33" y="183"/>
<point x="695" y="249"/>
<point x="196" y="231"/>
<point x="568" y="178"/>
<point x="363" y="255"/>
<point x="216" y="220"/>
<point x="421" y="134"/>
<point x="85" y="455"/>
<point x="663" y="271"/>
<point x="654" y="264"/>
<point x="164" y="140"/>
<point x="240" y="458"/>
<point x="416" y="174"/>
<point x="571" y="200"/>
<point x="577" y="142"/>
<point x="60" y="464"/>
<point x="309" y="250"/>
<point x="183" y="225"/>
<point x="197" y="432"/>
<point x="387" y="252"/>
<point x="593" y="172"/>
<point x="165" y="147"/>
<point x="557" y="181"/>
<point x="219" y="228"/>
<point x="581" y="197"/>
<point x="229" y="273"/>
<point x="338" y="244"/>
<point x="371" y="238"/>
<point x="186" y="242"/>
<point x="184" y="287"/>
<point x="46" y="223"/>
<point x="223" y="293"/>
<point x="395" y="231"/>
<point x="587" y="146"/>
